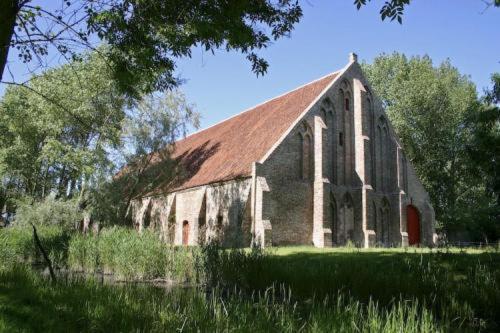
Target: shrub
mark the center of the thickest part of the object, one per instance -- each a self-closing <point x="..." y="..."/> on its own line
<point x="49" y="212"/>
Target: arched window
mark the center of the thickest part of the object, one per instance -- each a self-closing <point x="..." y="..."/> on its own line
<point x="372" y="222"/>
<point x="147" y="215"/>
<point x="370" y="118"/>
<point x="378" y="158"/>
<point x="383" y="155"/>
<point x="347" y="219"/>
<point x="185" y="232"/>
<point x="385" y="217"/>
<point x="386" y="159"/>
<point x="170" y="230"/>
<point x="202" y="221"/>
<point x="306" y="155"/>
<point x="404" y="173"/>
<point x="333" y="218"/>
<point x="219" y="227"/>
<point x="348" y="139"/>
<point x="346" y="124"/>
<point x="329" y="139"/>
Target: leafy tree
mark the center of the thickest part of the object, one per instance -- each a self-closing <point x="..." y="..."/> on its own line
<point x="428" y="106"/>
<point x="148" y="136"/>
<point x="483" y="147"/>
<point x="43" y="150"/>
<point x="146" y="37"/>
<point x="50" y="211"/>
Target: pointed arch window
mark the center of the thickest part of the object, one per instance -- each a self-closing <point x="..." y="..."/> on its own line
<point x="333" y="218"/>
<point x="306" y="156"/>
<point x="306" y="152"/>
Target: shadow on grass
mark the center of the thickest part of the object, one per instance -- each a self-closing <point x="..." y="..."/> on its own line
<point x="455" y="286"/>
<point x="31" y="303"/>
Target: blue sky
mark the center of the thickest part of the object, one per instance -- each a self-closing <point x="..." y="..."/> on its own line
<point x="223" y="85"/>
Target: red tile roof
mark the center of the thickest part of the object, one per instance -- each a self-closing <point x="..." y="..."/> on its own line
<point x="227" y="150"/>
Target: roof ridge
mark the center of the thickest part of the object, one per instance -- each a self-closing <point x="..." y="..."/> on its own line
<point x="260" y="104"/>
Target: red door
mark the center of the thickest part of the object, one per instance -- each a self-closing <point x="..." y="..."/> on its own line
<point x="185" y="232"/>
<point x="413" y="225"/>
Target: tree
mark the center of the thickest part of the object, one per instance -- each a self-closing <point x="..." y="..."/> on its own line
<point x="428" y="107"/>
<point x="483" y="147"/>
<point x="148" y="137"/>
<point x="43" y="150"/>
<point x="145" y="37"/>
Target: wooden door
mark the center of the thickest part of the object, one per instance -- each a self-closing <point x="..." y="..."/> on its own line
<point x="413" y="225"/>
<point x="185" y="233"/>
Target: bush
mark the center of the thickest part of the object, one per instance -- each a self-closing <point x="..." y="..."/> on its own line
<point x="49" y="212"/>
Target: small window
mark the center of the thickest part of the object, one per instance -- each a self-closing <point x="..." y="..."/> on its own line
<point x="346" y="104"/>
<point x="341" y="138"/>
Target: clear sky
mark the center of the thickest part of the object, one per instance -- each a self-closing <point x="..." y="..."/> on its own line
<point x="223" y="85"/>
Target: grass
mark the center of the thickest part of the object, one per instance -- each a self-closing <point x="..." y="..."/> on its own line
<point x="460" y="288"/>
<point x="31" y="303"/>
<point x="280" y="289"/>
<point x="130" y="256"/>
<point x="17" y="245"/>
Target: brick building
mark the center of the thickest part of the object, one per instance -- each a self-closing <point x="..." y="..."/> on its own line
<point x="319" y="165"/>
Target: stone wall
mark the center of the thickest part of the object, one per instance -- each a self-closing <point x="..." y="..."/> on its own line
<point x="212" y="212"/>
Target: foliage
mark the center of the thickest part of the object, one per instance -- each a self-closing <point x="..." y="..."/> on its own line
<point x="293" y="289"/>
<point x="50" y="211"/>
<point x="429" y="106"/>
<point x="394" y="9"/>
<point x="130" y="255"/>
<point x="215" y="266"/>
<point x="75" y="153"/>
<point x="483" y="148"/>
<point x="44" y="150"/>
<point x="147" y="138"/>
<point x="17" y="245"/>
<point x="442" y="289"/>
<point x="145" y="37"/>
<point x="138" y="308"/>
<point x="460" y="288"/>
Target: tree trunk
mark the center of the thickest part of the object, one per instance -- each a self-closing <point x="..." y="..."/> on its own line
<point x="86" y="223"/>
<point x="8" y="13"/>
<point x="44" y="254"/>
<point x="62" y="182"/>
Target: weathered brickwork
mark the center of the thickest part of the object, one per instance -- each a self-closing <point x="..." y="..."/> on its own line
<point x="338" y="175"/>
